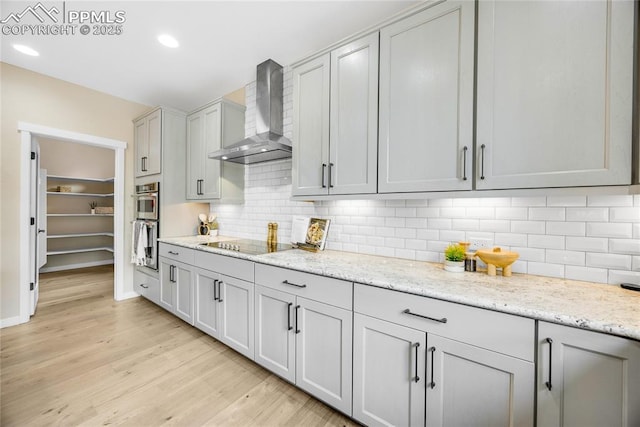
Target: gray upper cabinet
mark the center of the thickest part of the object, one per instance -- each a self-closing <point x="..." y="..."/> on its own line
<point x="148" y="140"/>
<point x="554" y="94"/>
<point x="587" y="378"/>
<point x="310" y="127"/>
<point x="335" y="121"/>
<point x="210" y="128"/>
<point x="426" y="100"/>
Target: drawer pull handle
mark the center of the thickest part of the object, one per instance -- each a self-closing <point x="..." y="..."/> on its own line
<point x="407" y="311"/>
<point x="220" y="283"/>
<point x="482" y="147"/>
<point x="215" y="289"/>
<point x="143" y="286"/>
<point x="464" y="163"/>
<point x="289" y="327"/>
<point x="174" y="253"/>
<point x="548" y="383"/>
<point x="297" y="330"/>
<point x="432" y="384"/>
<point x="286" y="282"/>
<point x="417" y="378"/>
<point x="324" y="167"/>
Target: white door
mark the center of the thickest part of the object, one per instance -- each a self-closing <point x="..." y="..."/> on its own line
<point x="206" y="315"/>
<point x="468" y="385"/>
<point x="194" y="155"/>
<point x="167" y="284"/>
<point x="388" y="377"/>
<point x="34" y="235"/>
<point x="275" y="334"/>
<point x="426" y="100"/>
<point x="212" y="119"/>
<point x="235" y="296"/>
<point x="554" y="93"/>
<point x="184" y="301"/>
<point x="41" y="221"/>
<point x="323" y="352"/>
<point x="592" y="379"/>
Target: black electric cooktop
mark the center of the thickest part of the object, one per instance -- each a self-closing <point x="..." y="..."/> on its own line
<point x="250" y="247"/>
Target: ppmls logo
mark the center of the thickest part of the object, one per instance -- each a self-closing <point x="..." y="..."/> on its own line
<point x="40" y="20"/>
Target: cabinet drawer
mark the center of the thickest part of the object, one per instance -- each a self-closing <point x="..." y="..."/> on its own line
<point x="504" y="333"/>
<point x="324" y="289"/>
<point x="147" y="286"/>
<point x="229" y="266"/>
<point x="177" y="253"/>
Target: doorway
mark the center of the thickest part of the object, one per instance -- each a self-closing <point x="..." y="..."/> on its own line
<point x="30" y="134"/>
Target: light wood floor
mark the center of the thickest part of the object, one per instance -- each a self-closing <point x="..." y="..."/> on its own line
<point x="85" y="359"/>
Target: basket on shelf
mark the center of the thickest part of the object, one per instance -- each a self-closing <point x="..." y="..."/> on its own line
<point x="64" y="189"/>
<point x="104" y="209"/>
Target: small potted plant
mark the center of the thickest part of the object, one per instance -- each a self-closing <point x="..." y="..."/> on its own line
<point x="454" y="258"/>
<point x="93" y="206"/>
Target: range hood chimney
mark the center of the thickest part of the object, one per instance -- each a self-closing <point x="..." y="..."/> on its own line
<point x="268" y="143"/>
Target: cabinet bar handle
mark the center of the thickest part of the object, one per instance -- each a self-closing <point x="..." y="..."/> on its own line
<point x="407" y="311"/>
<point x="143" y="286"/>
<point x="215" y="292"/>
<point x="289" y="327"/>
<point x="220" y="282"/>
<point x="324" y="168"/>
<point x="172" y="273"/>
<point x="286" y="282"/>
<point x="417" y="378"/>
<point x="548" y="383"/>
<point x="144" y="164"/>
<point x="432" y="384"/>
<point x="297" y="330"/>
<point x="482" y="147"/>
<point x="464" y="163"/>
<point x="330" y="172"/>
<point x="174" y="253"/>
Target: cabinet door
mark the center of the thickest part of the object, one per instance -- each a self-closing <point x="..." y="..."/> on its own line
<point x="468" y="385"/>
<point x="311" y="127"/>
<point x="353" y="145"/>
<point x="426" y="100"/>
<point x="323" y="352"/>
<point x="184" y="300"/>
<point x="210" y="187"/>
<point x="275" y="335"/>
<point x="554" y="94"/>
<point x="141" y="145"/>
<point x="154" y="138"/>
<point x="388" y="377"/>
<point x="592" y="379"/>
<point x="194" y="155"/>
<point x="206" y="315"/>
<point x="237" y="315"/>
<point x="167" y="287"/>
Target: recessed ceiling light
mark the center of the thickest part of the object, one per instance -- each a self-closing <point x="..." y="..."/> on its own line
<point x="168" y="40"/>
<point x="26" y="50"/>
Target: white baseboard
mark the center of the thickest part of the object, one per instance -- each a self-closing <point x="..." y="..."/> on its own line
<point x="128" y="295"/>
<point x="10" y="321"/>
<point x="75" y="266"/>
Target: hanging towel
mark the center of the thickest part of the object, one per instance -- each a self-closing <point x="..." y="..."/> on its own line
<point x="139" y="243"/>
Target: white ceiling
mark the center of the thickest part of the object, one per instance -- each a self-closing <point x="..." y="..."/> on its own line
<point x="221" y="42"/>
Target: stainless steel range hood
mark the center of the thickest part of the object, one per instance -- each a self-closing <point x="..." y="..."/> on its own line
<point x="268" y="143"/>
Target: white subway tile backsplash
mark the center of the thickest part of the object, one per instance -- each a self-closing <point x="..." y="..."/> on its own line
<point x="588" y="214"/>
<point x="620" y="276"/>
<point x="587" y="274"/>
<point x="465" y="224"/>
<point x="511" y="213"/>
<point x="510" y="239"/>
<point x="464" y="202"/>
<point x="529" y="201"/>
<point x="393" y="242"/>
<point x="441" y="203"/>
<point x="610" y="261"/>
<point x="631" y="214"/>
<point x="439" y="223"/>
<point x="406" y="233"/>
<point x="453" y="212"/>
<point x="565" y="257"/>
<point x="624" y="246"/>
<point x="416" y="222"/>
<point x="496" y="225"/>
<point x="530" y="254"/>
<point x="495" y="202"/>
<point x="609" y="229"/>
<point x="428" y="212"/>
<point x="452" y="235"/>
<point x="418" y="245"/>
<point x="587" y="244"/>
<point x="481" y="213"/>
<point x="562" y="228"/>
<point x="636" y="231"/>
<point x="547" y="214"/>
<point x="635" y="263"/>
<point x="395" y="222"/>
<point x="544" y="269"/>
<point x="528" y="227"/>
<point x="405" y="253"/>
<point x="610" y="200"/>
<point x="546" y="242"/>
<point x="406" y="212"/>
<point x="567" y="201"/>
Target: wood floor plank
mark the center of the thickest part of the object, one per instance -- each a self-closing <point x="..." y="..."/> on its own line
<point x="85" y="359"/>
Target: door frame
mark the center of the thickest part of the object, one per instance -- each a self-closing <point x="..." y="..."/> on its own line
<point x="29" y="131"/>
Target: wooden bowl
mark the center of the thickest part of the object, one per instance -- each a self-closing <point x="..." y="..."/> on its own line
<point x="497" y="258"/>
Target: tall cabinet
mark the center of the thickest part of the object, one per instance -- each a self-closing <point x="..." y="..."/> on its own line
<point x="554" y="94"/>
<point x="426" y="100"/>
<point x="209" y="128"/>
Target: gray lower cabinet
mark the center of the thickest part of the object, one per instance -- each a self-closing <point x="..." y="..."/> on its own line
<point x="306" y="341"/>
<point x="147" y="286"/>
<point x="587" y="378"/>
<point x="176" y="288"/>
<point x="407" y="373"/>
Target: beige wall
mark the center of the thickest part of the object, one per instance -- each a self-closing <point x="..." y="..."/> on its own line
<point x="38" y="99"/>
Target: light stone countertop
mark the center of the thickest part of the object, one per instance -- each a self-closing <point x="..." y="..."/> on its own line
<point x="597" y="307"/>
